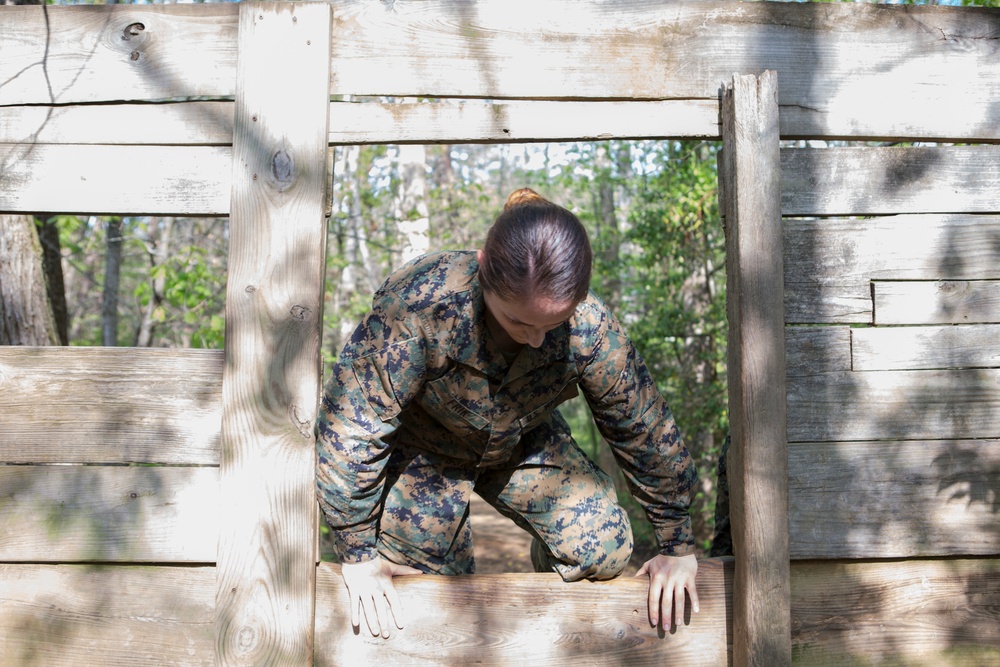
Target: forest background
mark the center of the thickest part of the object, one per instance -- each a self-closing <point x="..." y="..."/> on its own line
<point x="651" y="208"/>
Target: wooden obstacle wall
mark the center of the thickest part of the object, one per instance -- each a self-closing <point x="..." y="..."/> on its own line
<point x="207" y="555"/>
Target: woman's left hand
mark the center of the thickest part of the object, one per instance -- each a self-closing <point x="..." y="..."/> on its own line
<point x="669" y="578"/>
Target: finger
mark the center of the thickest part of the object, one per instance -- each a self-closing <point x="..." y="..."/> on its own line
<point x="643" y="570"/>
<point x="655" y="592"/>
<point x="356" y="612"/>
<point x="693" y="592"/>
<point x="678" y="605"/>
<point x="371" y="616"/>
<point x="382" y="605"/>
<point x="395" y="607"/>
<point x="405" y="569"/>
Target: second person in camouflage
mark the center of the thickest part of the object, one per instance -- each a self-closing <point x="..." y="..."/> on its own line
<point x="450" y="385"/>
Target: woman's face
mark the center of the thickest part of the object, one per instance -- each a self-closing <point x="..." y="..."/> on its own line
<point x="527" y="321"/>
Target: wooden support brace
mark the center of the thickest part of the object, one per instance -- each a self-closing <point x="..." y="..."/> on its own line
<point x="758" y="467"/>
<point x="277" y="250"/>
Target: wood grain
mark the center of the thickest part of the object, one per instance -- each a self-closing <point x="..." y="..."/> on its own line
<point x="924" y="612"/>
<point x="829" y="264"/>
<point x="937" y="302"/>
<point x="274" y="304"/>
<point x="817" y="350"/>
<point x="643" y="49"/>
<point x="894" y="405"/>
<point x="894" y="499"/>
<point x="126" y="180"/>
<point x="120" y="616"/>
<point x="108" y="513"/>
<point x="527" y="619"/>
<point x="890" y="180"/>
<point x="758" y="462"/>
<point x="920" y="348"/>
<point x="110" y="405"/>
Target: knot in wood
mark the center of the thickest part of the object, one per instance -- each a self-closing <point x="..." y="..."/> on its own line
<point x="132" y="30"/>
<point x="246" y="640"/>
<point x="282" y="169"/>
<point x="299" y="312"/>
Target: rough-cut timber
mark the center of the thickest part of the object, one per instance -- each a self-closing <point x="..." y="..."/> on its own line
<point x="159" y="514"/>
<point x="937" y="302"/>
<point x="110" y="405"/>
<point x="527" y="619"/>
<point x="758" y="466"/>
<point x="940" y="613"/>
<point x="925" y="348"/>
<point x="274" y="313"/>
<point x="99" y="615"/>
<point x="940" y="60"/>
<point x="893" y="499"/>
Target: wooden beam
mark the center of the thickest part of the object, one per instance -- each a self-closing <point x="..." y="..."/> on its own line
<point x="899" y="613"/>
<point x="937" y="302"/>
<point x="274" y="306"/>
<point x="572" y="49"/>
<point x="816" y="350"/>
<point x="925" y="348"/>
<point x="527" y="619"/>
<point x="829" y="264"/>
<point x="108" y="513"/>
<point x="893" y="499"/>
<point x="890" y="180"/>
<point x="110" y="405"/>
<point x="107" y="615"/>
<point x="758" y="465"/>
<point x="894" y="405"/>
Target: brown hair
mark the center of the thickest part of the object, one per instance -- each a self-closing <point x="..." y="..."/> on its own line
<point x="536" y="247"/>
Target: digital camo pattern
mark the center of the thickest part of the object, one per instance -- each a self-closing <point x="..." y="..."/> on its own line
<point x="421" y="376"/>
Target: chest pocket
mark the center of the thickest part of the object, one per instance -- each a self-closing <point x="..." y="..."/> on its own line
<point x="539" y="414"/>
<point x="450" y="401"/>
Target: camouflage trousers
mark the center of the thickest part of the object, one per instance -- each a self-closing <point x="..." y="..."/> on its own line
<point x="548" y="487"/>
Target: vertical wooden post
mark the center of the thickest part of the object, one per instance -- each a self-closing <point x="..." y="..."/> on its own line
<point x="758" y="465"/>
<point x="265" y="594"/>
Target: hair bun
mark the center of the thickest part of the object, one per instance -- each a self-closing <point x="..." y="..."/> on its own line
<point x="523" y="196"/>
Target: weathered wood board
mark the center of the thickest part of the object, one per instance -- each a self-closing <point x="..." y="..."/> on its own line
<point x="527" y="619"/>
<point x="643" y="49"/>
<point x="894" y="405"/>
<point x="88" y="513"/>
<point x="890" y="180"/>
<point x="120" y="616"/>
<point x="817" y="350"/>
<point x="936" y="302"/>
<point x="830" y="263"/>
<point x="110" y="405"/>
<point x="894" y="499"/>
<point x="919" y="348"/>
<point x="924" y="612"/>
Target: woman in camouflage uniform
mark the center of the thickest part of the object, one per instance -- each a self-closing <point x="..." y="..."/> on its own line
<point x="449" y="386"/>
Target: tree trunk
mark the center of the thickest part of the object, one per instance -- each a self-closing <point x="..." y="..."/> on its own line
<point x="159" y="251"/>
<point x="48" y="234"/>
<point x="112" y="275"/>
<point x="26" y="316"/>
<point x="412" y="218"/>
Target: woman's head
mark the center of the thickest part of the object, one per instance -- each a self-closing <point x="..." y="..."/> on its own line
<point x="536" y="249"/>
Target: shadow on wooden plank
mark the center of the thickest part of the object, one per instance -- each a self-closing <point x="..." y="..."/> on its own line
<point x="528" y="619"/>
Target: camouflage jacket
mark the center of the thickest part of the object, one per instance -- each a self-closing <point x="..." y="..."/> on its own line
<point x="421" y="370"/>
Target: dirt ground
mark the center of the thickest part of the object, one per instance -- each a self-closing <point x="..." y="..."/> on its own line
<point x="503" y="547"/>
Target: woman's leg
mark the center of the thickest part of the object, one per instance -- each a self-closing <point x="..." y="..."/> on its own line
<point x="555" y="492"/>
<point x="425" y="514"/>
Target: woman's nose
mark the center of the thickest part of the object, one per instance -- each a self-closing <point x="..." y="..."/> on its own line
<point x="535" y="337"/>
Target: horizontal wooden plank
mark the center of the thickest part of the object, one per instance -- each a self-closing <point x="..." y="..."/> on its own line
<point x="890" y="180"/>
<point x="126" y="180"/>
<point x="60" y="513"/>
<point x="815" y="350"/>
<point x="110" y="405"/>
<point x="211" y="123"/>
<point x="938" y="302"/>
<point x="920" y="348"/>
<point x="529" y="619"/>
<point x="830" y="263"/>
<point x="894" y="405"/>
<point x="67" y="615"/>
<point x="944" y="613"/>
<point x="643" y="49"/>
<point x="893" y="499"/>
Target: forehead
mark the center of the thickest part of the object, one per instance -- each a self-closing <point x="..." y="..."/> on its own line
<point x="536" y="311"/>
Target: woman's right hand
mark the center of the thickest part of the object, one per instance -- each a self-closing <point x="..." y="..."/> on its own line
<point x="369" y="586"/>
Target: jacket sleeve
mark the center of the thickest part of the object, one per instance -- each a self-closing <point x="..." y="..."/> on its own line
<point x="378" y="373"/>
<point x="634" y="418"/>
